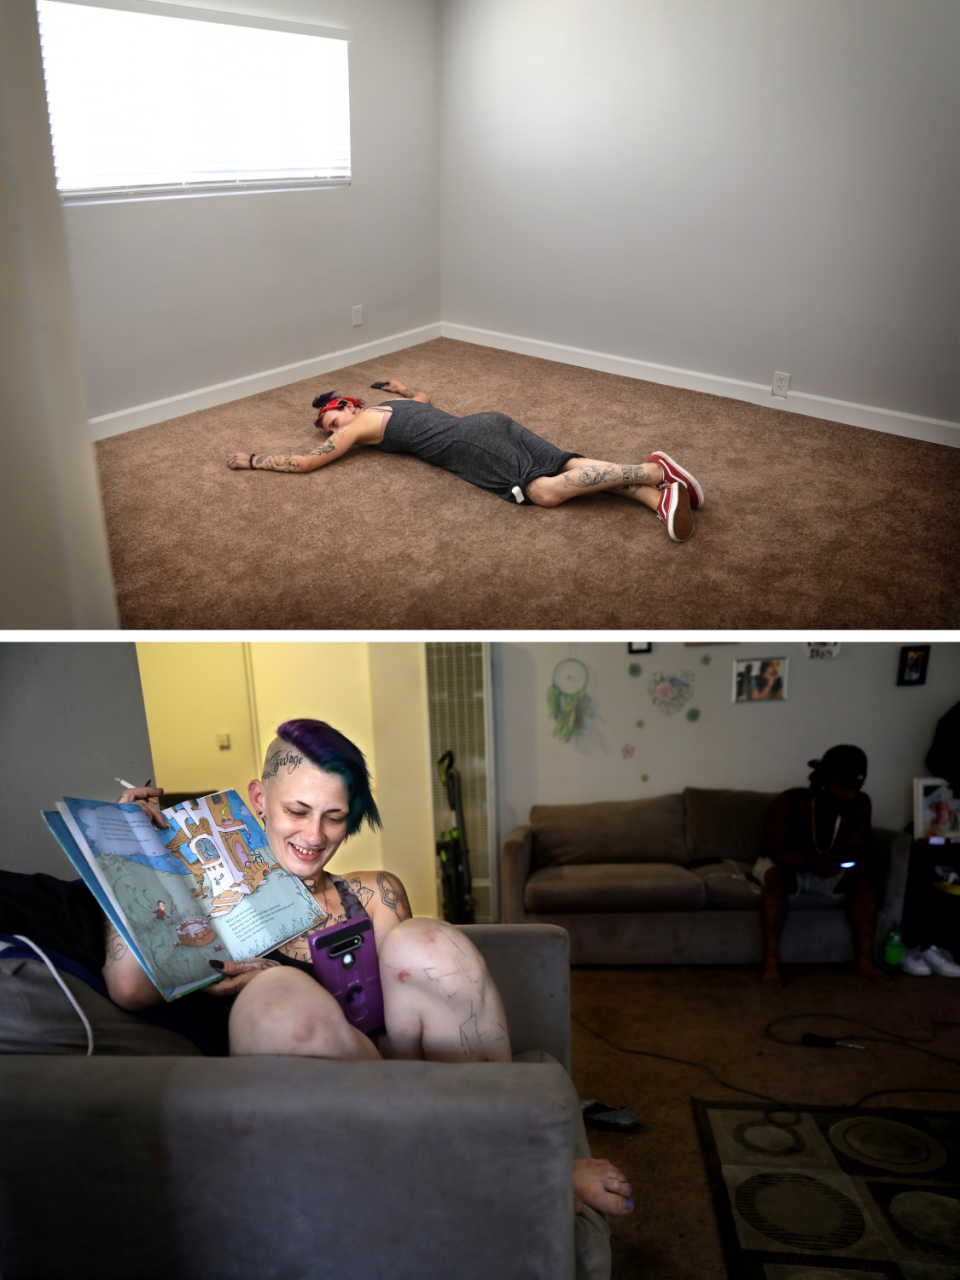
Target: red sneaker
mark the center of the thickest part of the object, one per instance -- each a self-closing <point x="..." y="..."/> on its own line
<point x="674" y="510"/>
<point x="673" y="471"/>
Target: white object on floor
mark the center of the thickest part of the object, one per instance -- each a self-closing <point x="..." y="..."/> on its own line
<point x="942" y="962"/>
<point x="915" y="962"/>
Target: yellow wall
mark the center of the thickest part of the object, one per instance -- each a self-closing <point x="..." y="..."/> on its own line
<point x="192" y="692"/>
<point x="324" y="682"/>
<point x="374" y="693"/>
<point x="401" y="730"/>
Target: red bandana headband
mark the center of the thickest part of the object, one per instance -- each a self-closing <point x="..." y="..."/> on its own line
<point x="337" y="402"/>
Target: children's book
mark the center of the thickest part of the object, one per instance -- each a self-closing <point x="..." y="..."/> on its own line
<point x="207" y="888"/>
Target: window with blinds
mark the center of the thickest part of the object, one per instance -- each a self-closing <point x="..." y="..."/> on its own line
<point x="457" y="682"/>
<point x="154" y="100"/>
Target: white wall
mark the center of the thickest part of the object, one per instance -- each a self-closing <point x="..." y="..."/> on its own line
<point x="53" y="544"/>
<point x="726" y="186"/>
<point x="177" y="295"/>
<point x="760" y="746"/>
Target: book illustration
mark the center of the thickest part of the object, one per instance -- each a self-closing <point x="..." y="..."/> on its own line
<point x="195" y="933"/>
<point x="208" y="885"/>
<point x="222" y="847"/>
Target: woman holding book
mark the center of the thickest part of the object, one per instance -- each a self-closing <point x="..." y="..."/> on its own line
<point x="440" y="1003"/>
<point x="489" y="450"/>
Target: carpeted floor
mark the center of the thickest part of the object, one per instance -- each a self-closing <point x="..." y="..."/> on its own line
<point x="806" y="523"/>
<point x="717" y="1016"/>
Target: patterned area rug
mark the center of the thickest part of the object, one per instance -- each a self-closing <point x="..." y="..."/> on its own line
<point x="825" y="1193"/>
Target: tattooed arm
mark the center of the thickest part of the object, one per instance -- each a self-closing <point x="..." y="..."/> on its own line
<point x="393" y="895"/>
<point x="334" y="447"/>
<point x="127" y="984"/>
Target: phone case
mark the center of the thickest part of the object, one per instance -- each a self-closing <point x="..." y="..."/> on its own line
<point x="345" y="961"/>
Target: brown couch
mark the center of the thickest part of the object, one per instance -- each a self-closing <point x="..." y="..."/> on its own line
<point x="667" y="881"/>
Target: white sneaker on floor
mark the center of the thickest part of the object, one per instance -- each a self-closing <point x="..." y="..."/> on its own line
<point x="915" y="962"/>
<point x="942" y="962"/>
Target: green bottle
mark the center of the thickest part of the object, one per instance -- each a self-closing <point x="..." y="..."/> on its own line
<point x="893" y="948"/>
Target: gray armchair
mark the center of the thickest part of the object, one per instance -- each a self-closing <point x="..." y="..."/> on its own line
<point x="193" y="1168"/>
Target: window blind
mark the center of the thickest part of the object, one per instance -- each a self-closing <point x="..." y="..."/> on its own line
<point x="145" y="104"/>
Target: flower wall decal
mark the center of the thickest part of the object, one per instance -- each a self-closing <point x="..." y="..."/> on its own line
<point x="671" y="693"/>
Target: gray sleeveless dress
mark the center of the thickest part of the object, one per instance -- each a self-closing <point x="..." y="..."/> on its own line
<point x="489" y="450"/>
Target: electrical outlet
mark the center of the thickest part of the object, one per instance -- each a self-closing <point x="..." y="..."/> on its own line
<point x="358" y="317"/>
<point x="223" y="741"/>
<point x="781" y="384"/>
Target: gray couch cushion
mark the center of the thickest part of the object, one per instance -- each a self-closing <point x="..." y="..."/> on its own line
<point x="725" y="824"/>
<point x="728" y="887"/>
<point x="643" y="886"/>
<point x="610" y="831"/>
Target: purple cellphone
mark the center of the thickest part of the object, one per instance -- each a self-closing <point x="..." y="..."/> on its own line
<point x="345" y="961"/>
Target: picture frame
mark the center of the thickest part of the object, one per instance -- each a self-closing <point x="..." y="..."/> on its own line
<point x="760" y="679"/>
<point x="639" y="646"/>
<point x="936" y="810"/>
<point x="912" y="668"/>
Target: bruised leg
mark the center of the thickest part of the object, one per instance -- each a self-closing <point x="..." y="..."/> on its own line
<point x="439" y="1001"/>
<point x="582" y="476"/>
<point x="863" y="914"/>
<point x="778" y="884"/>
<point x="285" y="1011"/>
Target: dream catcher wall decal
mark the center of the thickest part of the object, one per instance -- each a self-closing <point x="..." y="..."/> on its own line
<point x="568" y="699"/>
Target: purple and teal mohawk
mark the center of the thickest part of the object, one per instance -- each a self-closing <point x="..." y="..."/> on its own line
<point x="330" y="751"/>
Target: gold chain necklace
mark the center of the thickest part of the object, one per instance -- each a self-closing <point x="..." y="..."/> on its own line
<point x="813" y="828"/>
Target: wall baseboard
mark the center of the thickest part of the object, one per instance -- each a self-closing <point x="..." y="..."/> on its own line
<point x="912" y="426"/>
<point x="934" y="430"/>
<point x="145" y="415"/>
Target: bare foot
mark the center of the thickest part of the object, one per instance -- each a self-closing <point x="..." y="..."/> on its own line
<point x="867" y="969"/>
<point x="771" y="976"/>
<point x="602" y="1186"/>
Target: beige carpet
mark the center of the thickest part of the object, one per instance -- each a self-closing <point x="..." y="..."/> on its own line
<point x="807" y="524"/>
<point x="717" y="1016"/>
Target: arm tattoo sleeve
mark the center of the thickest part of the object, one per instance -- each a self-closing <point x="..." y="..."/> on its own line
<point x="276" y="462"/>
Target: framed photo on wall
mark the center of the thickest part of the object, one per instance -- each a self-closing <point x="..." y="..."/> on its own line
<point x="936" y="811"/>
<point x="639" y="646"/>
<point x="759" y="679"/>
<point x="913" y="664"/>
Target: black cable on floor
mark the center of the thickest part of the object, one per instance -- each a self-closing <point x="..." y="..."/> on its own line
<point x="779" y="1102"/>
<point x="686" y="1062"/>
<point x="887" y="1037"/>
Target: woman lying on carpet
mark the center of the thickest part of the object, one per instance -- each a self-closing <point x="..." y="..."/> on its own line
<point x="440" y="1003"/>
<point x="491" y="451"/>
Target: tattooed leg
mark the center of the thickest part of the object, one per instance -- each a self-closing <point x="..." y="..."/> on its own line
<point x="581" y="476"/>
<point x="283" y="1010"/>
<point x="439" y="1001"/>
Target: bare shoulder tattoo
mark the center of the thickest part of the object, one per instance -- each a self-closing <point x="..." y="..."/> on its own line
<point x="393" y="894"/>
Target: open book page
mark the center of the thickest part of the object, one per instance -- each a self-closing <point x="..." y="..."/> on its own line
<point x="82" y="862"/>
<point x="143" y="883"/>
<point x="240" y="893"/>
